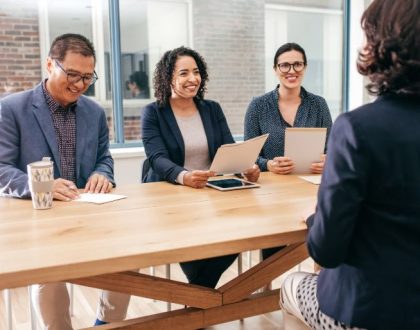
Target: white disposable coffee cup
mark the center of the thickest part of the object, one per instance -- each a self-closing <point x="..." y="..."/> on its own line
<point x="41" y="179"/>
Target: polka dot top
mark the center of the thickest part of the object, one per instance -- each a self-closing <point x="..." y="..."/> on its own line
<point x="263" y="116"/>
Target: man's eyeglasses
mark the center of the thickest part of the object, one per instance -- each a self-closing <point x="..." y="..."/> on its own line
<point x="285" y="66"/>
<point x="73" y="77"/>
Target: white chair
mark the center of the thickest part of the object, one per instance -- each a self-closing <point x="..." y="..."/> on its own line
<point x="8" y="304"/>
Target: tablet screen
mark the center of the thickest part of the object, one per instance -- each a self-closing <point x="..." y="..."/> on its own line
<point x="230" y="184"/>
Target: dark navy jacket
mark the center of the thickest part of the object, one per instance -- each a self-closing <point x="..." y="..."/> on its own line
<point x="366" y="229"/>
<point x="163" y="141"/>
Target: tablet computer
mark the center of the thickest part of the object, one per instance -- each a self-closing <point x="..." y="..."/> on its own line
<point x="231" y="184"/>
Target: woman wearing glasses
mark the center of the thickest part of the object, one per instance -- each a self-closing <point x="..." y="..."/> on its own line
<point x="288" y="105"/>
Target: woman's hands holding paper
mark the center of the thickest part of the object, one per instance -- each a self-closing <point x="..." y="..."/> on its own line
<point x="197" y="179"/>
<point x="280" y="165"/>
<point x="318" y="167"/>
<point x="252" y="174"/>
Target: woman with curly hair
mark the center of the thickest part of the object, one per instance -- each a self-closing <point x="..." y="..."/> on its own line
<point x="366" y="228"/>
<point x="181" y="130"/>
<point x="181" y="134"/>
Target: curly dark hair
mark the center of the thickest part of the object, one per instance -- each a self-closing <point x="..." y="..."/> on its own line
<point x="164" y="72"/>
<point x="391" y="56"/>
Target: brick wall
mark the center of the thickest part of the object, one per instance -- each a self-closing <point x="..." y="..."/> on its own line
<point x="20" y="66"/>
<point x="230" y="36"/>
<point x="132" y="128"/>
<point x="132" y="124"/>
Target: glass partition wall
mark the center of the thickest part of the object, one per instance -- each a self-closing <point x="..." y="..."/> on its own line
<point x="238" y="39"/>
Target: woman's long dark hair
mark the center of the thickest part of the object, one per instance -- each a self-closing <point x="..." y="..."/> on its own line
<point x="391" y="56"/>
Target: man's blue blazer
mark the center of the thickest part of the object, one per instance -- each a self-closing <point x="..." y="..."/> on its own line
<point x="27" y="135"/>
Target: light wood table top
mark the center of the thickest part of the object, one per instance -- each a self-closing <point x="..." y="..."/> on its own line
<point x="158" y="223"/>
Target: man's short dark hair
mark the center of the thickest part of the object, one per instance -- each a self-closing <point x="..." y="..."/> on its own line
<point x="71" y="42"/>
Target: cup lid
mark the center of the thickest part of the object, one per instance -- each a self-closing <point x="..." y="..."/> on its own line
<point x="45" y="162"/>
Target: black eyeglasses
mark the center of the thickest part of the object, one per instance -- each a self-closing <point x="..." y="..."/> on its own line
<point x="73" y="77"/>
<point x="285" y="66"/>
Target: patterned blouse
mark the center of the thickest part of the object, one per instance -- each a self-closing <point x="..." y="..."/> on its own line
<point x="263" y="116"/>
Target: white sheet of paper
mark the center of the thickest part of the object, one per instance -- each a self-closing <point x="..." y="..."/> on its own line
<point x="315" y="179"/>
<point x="304" y="146"/>
<point x="237" y="157"/>
<point x="98" y="198"/>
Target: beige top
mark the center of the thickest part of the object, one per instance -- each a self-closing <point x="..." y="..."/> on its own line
<point x="195" y="142"/>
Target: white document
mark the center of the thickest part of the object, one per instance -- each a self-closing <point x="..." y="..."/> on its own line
<point x="237" y="157"/>
<point x="315" y="179"/>
<point x="98" y="198"/>
<point x="304" y="146"/>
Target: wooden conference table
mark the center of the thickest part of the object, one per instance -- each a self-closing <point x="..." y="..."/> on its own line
<point x="161" y="223"/>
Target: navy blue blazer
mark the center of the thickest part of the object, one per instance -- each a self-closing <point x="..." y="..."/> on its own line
<point x="163" y="140"/>
<point x="366" y="229"/>
<point x="27" y="134"/>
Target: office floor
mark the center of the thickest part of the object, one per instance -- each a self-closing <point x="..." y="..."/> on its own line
<point x="85" y="302"/>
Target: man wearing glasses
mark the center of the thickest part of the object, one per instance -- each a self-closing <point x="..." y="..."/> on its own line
<point x="55" y="120"/>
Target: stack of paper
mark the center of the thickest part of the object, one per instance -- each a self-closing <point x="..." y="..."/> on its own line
<point x="237" y="157"/>
<point x="315" y="179"/>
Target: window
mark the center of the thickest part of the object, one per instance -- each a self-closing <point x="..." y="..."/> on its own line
<point x="237" y="38"/>
<point x="145" y="36"/>
<point x="74" y="16"/>
<point x="320" y="32"/>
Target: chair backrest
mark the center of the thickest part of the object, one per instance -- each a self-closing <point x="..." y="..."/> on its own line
<point x="145" y="169"/>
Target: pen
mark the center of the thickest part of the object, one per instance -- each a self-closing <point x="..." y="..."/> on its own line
<point x="73" y="188"/>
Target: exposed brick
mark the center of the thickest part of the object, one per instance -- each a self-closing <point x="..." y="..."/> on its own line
<point x="6" y="38"/>
<point x="13" y="32"/>
<point x="30" y="33"/>
<point x="13" y="44"/>
<point x="14" y="56"/>
<point x="15" y="67"/>
<point x="23" y="62"/>
<point x="224" y="31"/>
<point x="19" y="43"/>
<point x="22" y="27"/>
